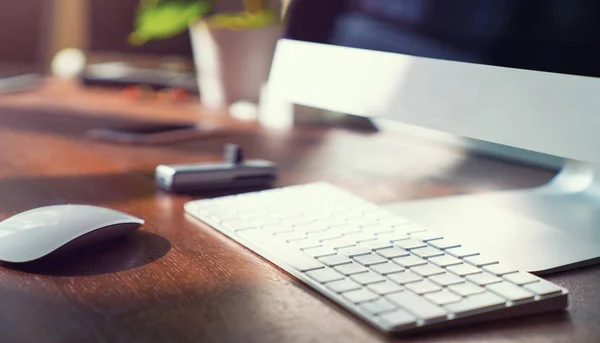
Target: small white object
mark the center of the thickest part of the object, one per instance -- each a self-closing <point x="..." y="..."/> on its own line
<point x="33" y="234"/>
<point x="68" y="62"/>
<point x="244" y="110"/>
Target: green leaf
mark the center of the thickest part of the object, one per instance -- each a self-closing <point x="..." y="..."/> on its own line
<point x="158" y="19"/>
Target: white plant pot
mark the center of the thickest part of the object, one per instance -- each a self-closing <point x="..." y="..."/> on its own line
<point x="232" y="65"/>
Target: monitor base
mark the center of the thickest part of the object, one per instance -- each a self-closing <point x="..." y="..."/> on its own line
<point x="541" y="230"/>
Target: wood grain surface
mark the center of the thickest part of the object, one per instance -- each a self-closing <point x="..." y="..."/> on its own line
<point x="180" y="281"/>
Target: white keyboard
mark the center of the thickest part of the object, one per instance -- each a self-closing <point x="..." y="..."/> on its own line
<point x="392" y="273"/>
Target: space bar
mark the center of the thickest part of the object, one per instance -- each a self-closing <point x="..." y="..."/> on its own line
<point x="272" y="247"/>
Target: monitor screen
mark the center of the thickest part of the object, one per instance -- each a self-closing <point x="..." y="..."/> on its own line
<point x="561" y="36"/>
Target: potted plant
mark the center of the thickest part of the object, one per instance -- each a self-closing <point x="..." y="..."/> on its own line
<point x="233" y="42"/>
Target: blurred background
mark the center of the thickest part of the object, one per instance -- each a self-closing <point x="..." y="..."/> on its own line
<point x="33" y="31"/>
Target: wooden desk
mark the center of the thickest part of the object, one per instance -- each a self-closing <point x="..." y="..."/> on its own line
<point x="178" y="281"/>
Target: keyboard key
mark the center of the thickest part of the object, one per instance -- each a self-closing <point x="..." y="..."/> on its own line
<point x="385" y="287"/>
<point x="394" y="221"/>
<point x="422" y="287"/>
<point x="461" y="252"/>
<point x="543" y="288"/>
<point x="354" y="251"/>
<point x="310" y="228"/>
<point x="417" y="305"/>
<point x="344" y="285"/>
<point x="367" y="278"/>
<point x="483" y="279"/>
<point x="427" y="252"/>
<point x="338" y="243"/>
<point x="426" y="236"/>
<point x="362" y="222"/>
<point x="290" y="236"/>
<point x="445" y="261"/>
<point x="294" y="258"/>
<point x="319" y="252"/>
<point x="278" y="228"/>
<point x="463" y="269"/>
<point x="324" y="275"/>
<point x="521" y="278"/>
<point x="405" y="277"/>
<point x="476" y="303"/>
<point x="409" y="261"/>
<point x="350" y="269"/>
<point x="324" y="236"/>
<point x="392" y="236"/>
<point x="409" y="244"/>
<point x="334" y="260"/>
<point x="369" y="260"/>
<point x="443" y="297"/>
<point x="360" y="296"/>
<point x="510" y="291"/>
<point x="346" y="229"/>
<point x="387" y="268"/>
<point x="480" y="261"/>
<point x="393" y="253"/>
<point x="379" y="214"/>
<point x="444" y="244"/>
<point x="376" y="244"/>
<point x="446" y="279"/>
<point x="500" y="269"/>
<point x="399" y="319"/>
<point x="427" y="270"/>
<point x="331" y="222"/>
<point x="466" y="289"/>
<point x="411" y="228"/>
<point x="376" y="229"/>
<point x="307" y="244"/>
<point x="378" y="306"/>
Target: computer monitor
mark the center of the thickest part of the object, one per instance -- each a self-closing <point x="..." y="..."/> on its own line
<point x="521" y="73"/>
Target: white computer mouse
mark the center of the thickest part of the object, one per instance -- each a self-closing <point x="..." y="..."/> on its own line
<point x="33" y="234"/>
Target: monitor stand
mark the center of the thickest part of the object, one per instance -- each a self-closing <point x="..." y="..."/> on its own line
<point x="542" y="230"/>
